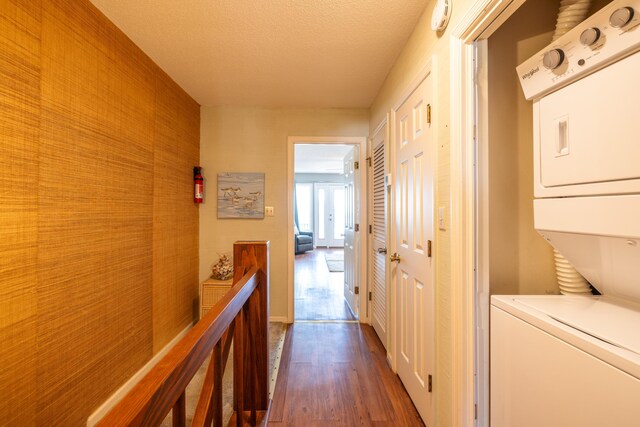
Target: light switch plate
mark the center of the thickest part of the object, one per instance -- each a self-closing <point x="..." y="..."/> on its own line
<point x="441" y="218"/>
<point x="268" y="210"/>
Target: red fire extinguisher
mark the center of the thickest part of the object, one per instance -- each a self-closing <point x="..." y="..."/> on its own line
<point x="198" y="182"/>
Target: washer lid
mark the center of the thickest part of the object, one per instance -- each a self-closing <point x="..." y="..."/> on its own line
<point x="610" y="320"/>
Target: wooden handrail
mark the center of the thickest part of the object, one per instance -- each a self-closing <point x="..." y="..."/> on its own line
<point x="241" y="314"/>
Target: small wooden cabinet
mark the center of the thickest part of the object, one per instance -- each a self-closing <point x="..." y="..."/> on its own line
<point x="211" y="290"/>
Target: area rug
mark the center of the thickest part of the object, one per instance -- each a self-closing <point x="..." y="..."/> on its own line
<point x="335" y="262"/>
<point x="277" y="332"/>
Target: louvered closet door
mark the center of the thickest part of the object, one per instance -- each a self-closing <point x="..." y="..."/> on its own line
<point x="379" y="296"/>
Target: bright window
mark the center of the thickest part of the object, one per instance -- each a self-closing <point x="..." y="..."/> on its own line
<point x="321" y="210"/>
<point x="304" y="206"/>
<point x="338" y="213"/>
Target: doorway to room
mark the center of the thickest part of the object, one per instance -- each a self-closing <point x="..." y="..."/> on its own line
<point x="325" y="223"/>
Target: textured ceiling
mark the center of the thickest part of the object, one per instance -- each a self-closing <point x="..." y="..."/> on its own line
<point x="271" y="53"/>
<point x="320" y="158"/>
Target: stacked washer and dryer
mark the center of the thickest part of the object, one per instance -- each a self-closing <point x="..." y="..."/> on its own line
<point x="567" y="360"/>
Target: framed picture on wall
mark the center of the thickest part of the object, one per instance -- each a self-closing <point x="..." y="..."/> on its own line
<point x="241" y="195"/>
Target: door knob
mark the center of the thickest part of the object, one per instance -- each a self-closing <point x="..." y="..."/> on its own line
<point x="395" y="257"/>
<point x="382" y="250"/>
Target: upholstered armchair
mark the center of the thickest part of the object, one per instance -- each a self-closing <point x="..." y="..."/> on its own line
<point x="302" y="240"/>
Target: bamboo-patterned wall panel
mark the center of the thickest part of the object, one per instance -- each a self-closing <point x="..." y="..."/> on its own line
<point x="98" y="231"/>
<point x="19" y="129"/>
<point x="175" y="217"/>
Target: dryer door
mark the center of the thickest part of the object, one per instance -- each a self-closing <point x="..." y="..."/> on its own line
<point x="588" y="133"/>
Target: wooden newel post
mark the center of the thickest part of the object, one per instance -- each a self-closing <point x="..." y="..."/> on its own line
<point x="251" y="345"/>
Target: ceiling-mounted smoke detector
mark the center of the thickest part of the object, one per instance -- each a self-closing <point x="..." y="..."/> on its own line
<point x="440" y="15"/>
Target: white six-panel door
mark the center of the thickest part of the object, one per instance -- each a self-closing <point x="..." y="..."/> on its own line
<point x="414" y="273"/>
<point x="350" y="253"/>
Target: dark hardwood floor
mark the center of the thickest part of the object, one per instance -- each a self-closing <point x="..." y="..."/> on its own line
<point x="336" y="374"/>
<point x="319" y="293"/>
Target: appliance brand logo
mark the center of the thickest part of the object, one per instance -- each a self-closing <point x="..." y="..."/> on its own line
<point x="530" y="73"/>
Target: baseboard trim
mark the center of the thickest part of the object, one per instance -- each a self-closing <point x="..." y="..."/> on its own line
<point x="135" y="379"/>
<point x="389" y="360"/>
<point x="280" y="319"/>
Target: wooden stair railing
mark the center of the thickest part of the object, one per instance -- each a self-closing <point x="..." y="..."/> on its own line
<point x="242" y="315"/>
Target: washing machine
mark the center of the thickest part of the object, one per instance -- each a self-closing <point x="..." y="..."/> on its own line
<point x="562" y="360"/>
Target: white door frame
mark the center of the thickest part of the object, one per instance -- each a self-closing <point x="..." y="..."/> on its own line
<point x="469" y="299"/>
<point x="361" y="142"/>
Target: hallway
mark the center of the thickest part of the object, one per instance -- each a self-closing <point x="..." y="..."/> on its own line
<point x="336" y="374"/>
<point x="319" y="293"/>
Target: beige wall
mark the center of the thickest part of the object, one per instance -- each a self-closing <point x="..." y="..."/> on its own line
<point x="422" y="46"/>
<point x="255" y="140"/>
<point x="520" y="260"/>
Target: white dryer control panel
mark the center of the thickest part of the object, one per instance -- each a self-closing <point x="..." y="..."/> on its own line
<point x="606" y="36"/>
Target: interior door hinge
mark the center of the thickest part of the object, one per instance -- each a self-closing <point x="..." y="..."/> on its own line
<point x="357" y="227"/>
<point x="370" y="228"/>
<point x="356" y="290"/>
<point x="430" y="383"/>
<point x="369" y="161"/>
<point x="370" y="296"/>
<point x="475" y="411"/>
<point x="356" y="165"/>
<point x="428" y="113"/>
<point x="429" y="248"/>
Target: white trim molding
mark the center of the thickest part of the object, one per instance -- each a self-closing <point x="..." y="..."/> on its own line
<point x="119" y="394"/>
<point x="481" y="20"/>
<point x="361" y="142"/>
<point x="462" y="234"/>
